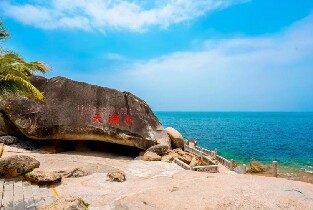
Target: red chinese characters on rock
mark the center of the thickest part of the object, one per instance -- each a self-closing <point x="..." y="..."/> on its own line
<point x="128" y="120"/>
<point x="97" y="118"/>
<point x="114" y="119"/>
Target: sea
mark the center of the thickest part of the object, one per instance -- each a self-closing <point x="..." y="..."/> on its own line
<point x="246" y="136"/>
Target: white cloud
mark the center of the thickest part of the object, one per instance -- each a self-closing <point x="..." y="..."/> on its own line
<point x="271" y="72"/>
<point x="107" y="14"/>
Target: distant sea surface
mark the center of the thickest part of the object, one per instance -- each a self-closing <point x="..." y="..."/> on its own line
<point x="246" y="136"/>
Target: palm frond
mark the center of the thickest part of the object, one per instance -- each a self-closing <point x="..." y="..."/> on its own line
<point x="14" y="85"/>
<point x="3" y="33"/>
<point x="28" y="68"/>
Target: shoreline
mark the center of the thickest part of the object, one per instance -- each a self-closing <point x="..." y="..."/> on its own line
<point x="291" y="172"/>
<point x="161" y="185"/>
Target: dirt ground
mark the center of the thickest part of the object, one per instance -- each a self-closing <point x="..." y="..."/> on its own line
<point x="160" y="185"/>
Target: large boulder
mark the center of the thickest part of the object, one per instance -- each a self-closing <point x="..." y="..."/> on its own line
<point x="177" y="140"/>
<point x="17" y="165"/>
<point x="80" y="111"/>
<point x="40" y="177"/>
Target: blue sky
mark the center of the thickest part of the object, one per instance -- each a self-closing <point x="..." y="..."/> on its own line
<point x="178" y="55"/>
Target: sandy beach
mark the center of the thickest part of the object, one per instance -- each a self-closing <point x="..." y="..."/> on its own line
<point x="160" y="185"/>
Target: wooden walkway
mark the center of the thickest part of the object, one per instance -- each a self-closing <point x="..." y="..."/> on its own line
<point x="21" y="195"/>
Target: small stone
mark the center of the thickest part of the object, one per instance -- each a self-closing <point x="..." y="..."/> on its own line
<point x="159" y="149"/>
<point x="43" y="177"/>
<point x="117" y="176"/>
<point x="74" y="173"/>
<point x="67" y="204"/>
<point x="8" y="140"/>
<point x="151" y="156"/>
<point x="167" y="158"/>
<point x="17" y="165"/>
<point x="173" y="154"/>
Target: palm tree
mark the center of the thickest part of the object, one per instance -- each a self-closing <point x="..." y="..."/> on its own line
<point x="3" y="33"/>
<point x="15" y="73"/>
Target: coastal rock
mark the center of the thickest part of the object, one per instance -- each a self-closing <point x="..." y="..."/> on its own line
<point x="117" y="176"/>
<point x="151" y="156"/>
<point x="257" y="167"/>
<point x="80" y="111"/>
<point x="43" y="177"/>
<point x="177" y="140"/>
<point x="240" y="169"/>
<point x="8" y="140"/>
<point x="67" y="204"/>
<point x="165" y="141"/>
<point x="159" y="149"/>
<point x="17" y="165"/>
<point x="167" y="158"/>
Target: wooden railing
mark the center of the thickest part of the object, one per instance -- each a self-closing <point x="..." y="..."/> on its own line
<point x="205" y="151"/>
<point x="209" y="169"/>
<point x="193" y="150"/>
<point x="225" y="162"/>
<point x="199" y="151"/>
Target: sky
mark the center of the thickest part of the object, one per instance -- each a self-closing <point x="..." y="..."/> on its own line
<point x="177" y="55"/>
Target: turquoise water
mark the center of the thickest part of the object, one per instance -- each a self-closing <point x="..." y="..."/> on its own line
<point x="285" y="137"/>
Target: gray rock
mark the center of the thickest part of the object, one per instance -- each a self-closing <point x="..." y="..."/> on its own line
<point x="117" y="176"/>
<point x="43" y="177"/>
<point x="151" y="156"/>
<point x="159" y="149"/>
<point x="80" y="111"/>
<point x="177" y="140"/>
<point x="8" y="140"/>
<point x="17" y="165"/>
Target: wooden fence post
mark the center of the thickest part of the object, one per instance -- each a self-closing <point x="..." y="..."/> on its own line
<point x="214" y="155"/>
<point x="275" y="168"/>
